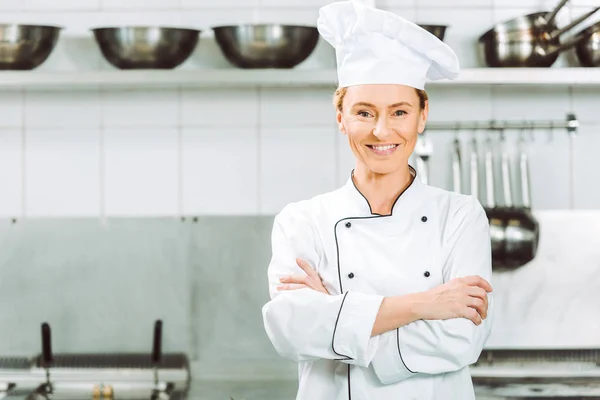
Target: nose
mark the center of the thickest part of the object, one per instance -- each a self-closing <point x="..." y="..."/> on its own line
<point x="382" y="129"/>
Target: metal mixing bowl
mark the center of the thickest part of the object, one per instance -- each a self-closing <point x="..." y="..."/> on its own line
<point x="266" y="45"/>
<point x="25" y="47"/>
<point x="437" y="30"/>
<point x="146" y="47"/>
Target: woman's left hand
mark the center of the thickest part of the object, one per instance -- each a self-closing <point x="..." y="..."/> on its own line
<point x="311" y="280"/>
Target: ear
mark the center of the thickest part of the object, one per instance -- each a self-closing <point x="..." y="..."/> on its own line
<point x="423" y="117"/>
<point x="340" y="122"/>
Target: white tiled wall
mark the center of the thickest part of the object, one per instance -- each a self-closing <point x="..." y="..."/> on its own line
<point x="241" y="151"/>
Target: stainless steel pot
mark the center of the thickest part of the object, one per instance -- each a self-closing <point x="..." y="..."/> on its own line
<point x="25" y="47"/>
<point x="138" y="47"/>
<point x="266" y="45"/>
<point x="588" y="50"/>
<point x="528" y="41"/>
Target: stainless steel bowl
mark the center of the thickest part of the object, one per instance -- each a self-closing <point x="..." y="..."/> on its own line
<point x="25" y="47"/>
<point x="437" y="30"/>
<point x="266" y="45"/>
<point x="146" y="47"/>
<point x="588" y="50"/>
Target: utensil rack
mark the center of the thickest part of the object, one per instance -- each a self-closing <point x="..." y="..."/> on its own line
<point x="570" y="124"/>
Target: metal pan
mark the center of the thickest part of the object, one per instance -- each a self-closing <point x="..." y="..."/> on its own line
<point x="588" y="50"/>
<point x="528" y="41"/>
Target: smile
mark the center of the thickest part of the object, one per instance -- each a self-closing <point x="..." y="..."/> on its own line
<point x="383" y="150"/>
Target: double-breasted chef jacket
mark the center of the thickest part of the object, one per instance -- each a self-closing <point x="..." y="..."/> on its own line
<point x="431" y="237"/>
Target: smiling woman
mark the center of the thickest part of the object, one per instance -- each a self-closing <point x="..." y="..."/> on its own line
<point x="380" y="289"/>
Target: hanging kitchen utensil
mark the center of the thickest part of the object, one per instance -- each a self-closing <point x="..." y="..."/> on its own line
<point x="505" y="169"/>
<point x="495" y="215"/>
<point x="474" y="163"/>
<point x="529" y="41"/>
<point x="456" y="166"/>
<point x="588" y="50"/>
<point x="522" y="229"/>
<point x="423" y="150"/>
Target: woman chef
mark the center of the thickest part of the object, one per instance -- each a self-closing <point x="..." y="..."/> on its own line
<point x="379" y="290"/>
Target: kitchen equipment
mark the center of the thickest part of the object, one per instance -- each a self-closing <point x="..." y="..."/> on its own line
<point x="528" y="41"/>
<point x="495" y="215"/>
<point x="437" y="30"/>
<point x="26" y="47"/>
<point x="266" y="45"/>
<point x="79" y="376"/>
<point x="423" y="150"/>
<point x="522" y="229"/>
<point x="151" y="47"/>
<point x="588" y="50"/>
<point x="545" y="373"/>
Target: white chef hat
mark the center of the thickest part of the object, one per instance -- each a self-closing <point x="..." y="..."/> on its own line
<point x="376" y="46"/>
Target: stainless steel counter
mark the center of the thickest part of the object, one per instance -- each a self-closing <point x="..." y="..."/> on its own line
<point x="243" y="390"/>
<point x="256" y="390"/>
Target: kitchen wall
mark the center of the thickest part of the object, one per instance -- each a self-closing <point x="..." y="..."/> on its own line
<point x="180" y="151"/>
<point x="101" y="286"/>
<point x="74" y="155"/>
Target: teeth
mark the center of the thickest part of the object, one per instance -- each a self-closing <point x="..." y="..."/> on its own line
<point x="383" y="148"/>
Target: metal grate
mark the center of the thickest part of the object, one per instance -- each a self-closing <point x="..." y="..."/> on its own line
<point x="534" y="356"/>
<point x="116" y="361"/>
<point x="17" y="362"/>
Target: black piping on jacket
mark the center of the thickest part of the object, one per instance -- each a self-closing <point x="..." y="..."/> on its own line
<point x="337" y="247"/>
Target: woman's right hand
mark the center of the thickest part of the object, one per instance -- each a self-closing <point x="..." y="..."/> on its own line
<point x="464" y="297"/>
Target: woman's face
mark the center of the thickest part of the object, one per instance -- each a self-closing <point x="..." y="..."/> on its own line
<point x="382" y="123"/>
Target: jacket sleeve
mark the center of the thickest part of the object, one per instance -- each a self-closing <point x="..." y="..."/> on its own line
<point x="304" y="324"/>
<point x="439" y="346"/>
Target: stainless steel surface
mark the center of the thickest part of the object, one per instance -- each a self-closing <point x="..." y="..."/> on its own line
<point x="528" y="41"/>
<point x="538" y="373"/>
<point x="149" y="47"/>
<point x="588" y="50"/>
<point x="266" y="45"/>
<point x="26" y="47"/>
<point x="524" y="173"/>
<point x="438" y="31"/>
<point x="495" y="217"/>
<point x="506" y="181"/>
<point x="570" y="124"/>
<point x="522" y="228"/>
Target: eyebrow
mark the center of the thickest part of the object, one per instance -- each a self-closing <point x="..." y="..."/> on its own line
<point x="402" y="103"/>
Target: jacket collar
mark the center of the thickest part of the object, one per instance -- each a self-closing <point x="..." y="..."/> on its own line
<point x="406" y="201"/>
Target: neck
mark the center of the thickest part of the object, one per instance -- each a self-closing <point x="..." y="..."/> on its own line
<point x="381" y="190"/>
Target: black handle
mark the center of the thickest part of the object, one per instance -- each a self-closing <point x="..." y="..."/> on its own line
<point x="46" y="345"/>
<point x="157" y="344"/>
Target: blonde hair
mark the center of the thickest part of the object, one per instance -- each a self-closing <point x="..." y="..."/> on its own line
<point x="338" y="98"/>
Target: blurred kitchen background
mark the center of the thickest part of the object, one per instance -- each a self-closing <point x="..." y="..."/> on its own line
<point x="130" y="196"/>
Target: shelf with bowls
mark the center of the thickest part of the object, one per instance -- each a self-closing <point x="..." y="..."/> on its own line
<point x="295" y="77"/>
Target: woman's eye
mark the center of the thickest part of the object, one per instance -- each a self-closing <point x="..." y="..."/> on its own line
<point x="399" y="113"/>
<point x="364" y="114"/>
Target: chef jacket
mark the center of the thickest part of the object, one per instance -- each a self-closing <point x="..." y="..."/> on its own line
<point x="430" y="237"/>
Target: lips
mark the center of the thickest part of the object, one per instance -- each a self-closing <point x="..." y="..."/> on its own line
<point x="383" y="150"/>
